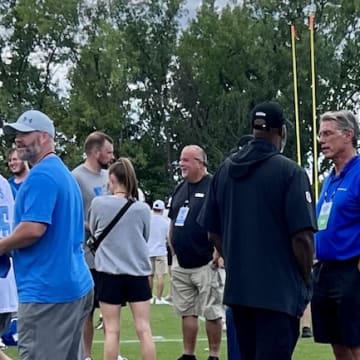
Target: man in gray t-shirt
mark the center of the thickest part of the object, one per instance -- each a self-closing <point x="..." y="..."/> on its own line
<point x="91" y="184"/>
<point x="92" y="178"/>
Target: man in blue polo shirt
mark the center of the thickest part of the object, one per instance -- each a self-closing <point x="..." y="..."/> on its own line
<point x="336" y="300"/>
<point x="259" y="213"/>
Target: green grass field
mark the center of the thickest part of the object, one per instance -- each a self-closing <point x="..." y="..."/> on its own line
<point x="167" y="334"/>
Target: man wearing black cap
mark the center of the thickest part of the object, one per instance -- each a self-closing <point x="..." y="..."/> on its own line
<point x="259" y="212"/>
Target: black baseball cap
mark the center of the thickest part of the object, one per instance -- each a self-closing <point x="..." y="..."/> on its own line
<point x="267" y="115"/>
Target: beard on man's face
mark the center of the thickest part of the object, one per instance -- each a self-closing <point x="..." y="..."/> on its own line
<point x="103" y="166"/>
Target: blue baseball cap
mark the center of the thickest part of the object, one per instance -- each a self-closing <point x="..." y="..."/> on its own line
<point x="4" y="265"/>
<point x="29" y="121"/>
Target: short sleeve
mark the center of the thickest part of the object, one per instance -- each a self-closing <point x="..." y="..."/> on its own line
<point x="209" y="216"/>
<point x="92" y="218"/>
<point x="147" y="219"/>
<point x="39" y="199"/>
<point x="299" y="203"/>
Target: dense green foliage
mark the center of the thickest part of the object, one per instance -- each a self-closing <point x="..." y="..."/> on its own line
<point x="128" y="68"/>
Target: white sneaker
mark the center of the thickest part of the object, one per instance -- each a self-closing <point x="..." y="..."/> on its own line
<point x="121" y="358"/>
<point x="161" y="301"/>
<point x="2" y="345"/>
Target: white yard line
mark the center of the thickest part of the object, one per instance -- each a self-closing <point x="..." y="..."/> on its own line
<point x="157" y="339"/>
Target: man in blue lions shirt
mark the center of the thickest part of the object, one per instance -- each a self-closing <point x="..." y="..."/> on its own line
<point x="54" y="283"/>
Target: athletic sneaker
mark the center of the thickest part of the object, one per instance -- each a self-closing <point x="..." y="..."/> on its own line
<point x="306" y="332"/>
<point x="99" y="325"/>
<point x="2" y="345"/>
<point x="160" y="301"/>
<point x="121" y="358"/>
<point x="187" y="357"/>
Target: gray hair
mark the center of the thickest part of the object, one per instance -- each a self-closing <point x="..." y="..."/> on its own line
<point x="200" y="152"/>
<point x="345" y="120"/>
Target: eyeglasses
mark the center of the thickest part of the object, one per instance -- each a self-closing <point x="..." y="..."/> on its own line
<point x="327" y="133"/>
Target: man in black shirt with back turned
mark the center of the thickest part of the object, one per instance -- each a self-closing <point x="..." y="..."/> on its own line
<point x="260" y="214"/>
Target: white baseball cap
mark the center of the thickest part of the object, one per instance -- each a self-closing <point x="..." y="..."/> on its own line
<point x="29" y="121"/>
<point x="158" y="205"/>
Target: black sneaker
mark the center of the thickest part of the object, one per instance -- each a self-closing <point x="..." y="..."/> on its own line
<point x="187" y="357"/>
<point x="306" y="332"/>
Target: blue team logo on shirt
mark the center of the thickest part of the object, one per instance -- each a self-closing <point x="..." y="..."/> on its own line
<point x="98" y="190"/>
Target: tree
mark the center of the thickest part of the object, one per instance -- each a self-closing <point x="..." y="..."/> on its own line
<point x="37" y="40"/>
<point x="151" y="32"/>
<point x="133" y="73"/>
<point x="229" y="60"/>
<point x="99" y="81"/>
<point x="121" y="84"/>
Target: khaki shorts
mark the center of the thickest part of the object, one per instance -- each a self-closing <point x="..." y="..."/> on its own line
<point x="198" y="291"/>
<point x="159" y="265"/>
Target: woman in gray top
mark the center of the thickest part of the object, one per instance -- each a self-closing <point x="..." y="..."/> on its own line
<point x="122" y="259"/>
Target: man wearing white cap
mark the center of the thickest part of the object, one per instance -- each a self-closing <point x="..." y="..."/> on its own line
<point x="54" y="284"/>
<point x="159" y="230"/>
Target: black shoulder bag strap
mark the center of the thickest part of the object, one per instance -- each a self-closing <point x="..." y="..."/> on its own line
<point x="94" y="244"/>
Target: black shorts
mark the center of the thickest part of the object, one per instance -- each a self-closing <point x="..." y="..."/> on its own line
<point x="265" y="334"/>
<point x="94" y="274"/>
<point x="169" y="256"/>
<point x="335" y="305"/>
<point x="119" y="289"/>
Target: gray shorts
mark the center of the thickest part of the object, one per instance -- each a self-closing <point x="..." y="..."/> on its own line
<point x="5" y="319"/>
<point x="198" y="291"/>
<point x="52" y="331"/>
